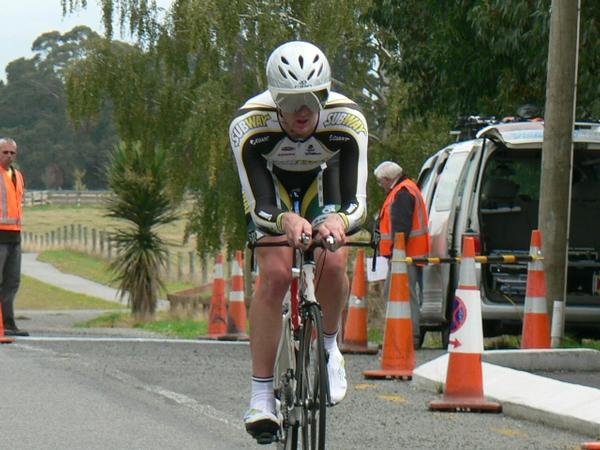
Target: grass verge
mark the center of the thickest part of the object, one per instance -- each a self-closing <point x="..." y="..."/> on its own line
<point x="93" y="268"/>
<point x="34" y="294"/>
<point x="163" y="323"/>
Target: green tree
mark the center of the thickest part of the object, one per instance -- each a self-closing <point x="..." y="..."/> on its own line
<point x="137" y="176"/>
<point x="33" y="111"/>
<point x="481" y="56"/>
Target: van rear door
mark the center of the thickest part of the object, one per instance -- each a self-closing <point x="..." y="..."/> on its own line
<point x="442" y="205"/>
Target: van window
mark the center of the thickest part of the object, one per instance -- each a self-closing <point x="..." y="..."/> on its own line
<point x="447" y="184"/>
<point x="519" y="169"/>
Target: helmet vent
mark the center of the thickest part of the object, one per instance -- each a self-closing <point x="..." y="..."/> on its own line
<point x="312" y="72"/>
<point x="282" y="72"/>
<point x="285" y="61"/>
<point x="320" y="70"/>
<point x="292" y="75"/>
<point x="301" y="61"/>
<point x="316" y="59"/>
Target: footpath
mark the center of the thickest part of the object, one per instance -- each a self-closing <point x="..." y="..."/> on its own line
<point x="558" y="387"/>
<point x="49" y="274"/>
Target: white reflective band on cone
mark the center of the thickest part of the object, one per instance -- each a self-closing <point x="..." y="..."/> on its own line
<point x="536" y="305"/>
<point x="398" y="310"/>
<point x="398" y="267"/>
<point x="219" y="270"/>
<point x="236" y="296"/>
<point x="236" y="270"/>
<point x="356" y="302"/>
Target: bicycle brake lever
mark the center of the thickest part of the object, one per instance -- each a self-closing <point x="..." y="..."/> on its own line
<point x="330" y="243"/>
<point x="304" y="239"/>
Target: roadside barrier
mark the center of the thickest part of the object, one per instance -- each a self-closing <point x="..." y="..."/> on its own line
<point x="464" y="378"/>
<point x="355" y="339"/>
<point x="508" y="259"/>
<point x="4" y="339"/>
<point x="398" y="354"/>
<point x="217" y="317"/>
<point x="536" y="323"/>
<point x="236" y="319"/>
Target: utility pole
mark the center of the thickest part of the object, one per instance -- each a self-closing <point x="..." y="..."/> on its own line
<point x="557" y="155"/>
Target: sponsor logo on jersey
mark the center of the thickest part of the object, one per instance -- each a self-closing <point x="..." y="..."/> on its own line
<point x="346" y="119"/>
<point x="265" y="215"/>
<point x="351" y="208"/>
<point x="328" y="209"/>
<point x="259" y="140"/>
<point x="287" y="149"/>
<point x="310" y="150"/>
<point x="249" y="123"/>
<point x="338" y="138"/>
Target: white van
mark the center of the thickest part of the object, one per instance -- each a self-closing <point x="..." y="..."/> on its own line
<point x="488" y="187"/>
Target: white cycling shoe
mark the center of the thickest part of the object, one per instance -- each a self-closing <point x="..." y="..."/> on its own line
<point x="337" y="376"/>
<point x="261" y="424"/>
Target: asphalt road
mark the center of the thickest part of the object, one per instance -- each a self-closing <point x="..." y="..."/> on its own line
<point x="124" y="389"/>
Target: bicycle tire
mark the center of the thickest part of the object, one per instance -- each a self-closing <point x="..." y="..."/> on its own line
<point x="312" y="381"/>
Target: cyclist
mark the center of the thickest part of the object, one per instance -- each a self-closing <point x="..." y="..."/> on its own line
<point x="298" y="137"/>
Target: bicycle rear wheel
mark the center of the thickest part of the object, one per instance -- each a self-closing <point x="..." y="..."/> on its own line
<point x="312" y="380"/>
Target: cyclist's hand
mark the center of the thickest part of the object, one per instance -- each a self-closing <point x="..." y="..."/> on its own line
<point x="335" y="227"/>
<point x="294" y="227"/>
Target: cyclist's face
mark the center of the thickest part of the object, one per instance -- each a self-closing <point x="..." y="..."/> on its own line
<point x="299" y="124"/>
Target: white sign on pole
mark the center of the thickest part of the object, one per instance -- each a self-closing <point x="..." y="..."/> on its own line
<point x="381" y="268"/>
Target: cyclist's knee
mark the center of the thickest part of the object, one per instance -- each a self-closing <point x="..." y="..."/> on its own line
<point x="275" y="279"/>
<point x="335" y="263"/>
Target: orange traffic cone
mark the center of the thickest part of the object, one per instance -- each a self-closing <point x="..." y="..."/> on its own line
<point x="464" y="378"/>
<point x="217" y="317"/>
<point x="590" y="446"/>
<point x="236" y="320"/>
<point x="355" y="338"/>
<point x="536" y="324"/>
<point x="398" y="354"/>
<point x="4" y="339"/>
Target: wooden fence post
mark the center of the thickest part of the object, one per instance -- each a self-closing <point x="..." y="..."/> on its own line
<point x="179" y="266"/>
<point x="192" y="266"/>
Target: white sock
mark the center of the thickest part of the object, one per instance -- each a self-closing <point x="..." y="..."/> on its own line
<point x="262" y="396"/>
<point x="330" y="341"/>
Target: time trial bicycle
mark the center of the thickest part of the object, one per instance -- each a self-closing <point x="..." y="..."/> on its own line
<point x="300" y="379"/>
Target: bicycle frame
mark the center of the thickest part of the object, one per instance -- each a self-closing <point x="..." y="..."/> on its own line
<point x="300" y="294"/>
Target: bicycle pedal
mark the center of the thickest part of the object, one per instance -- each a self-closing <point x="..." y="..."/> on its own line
<point x="265" y="438"/>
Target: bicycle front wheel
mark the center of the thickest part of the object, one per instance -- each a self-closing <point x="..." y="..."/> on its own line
<point x="312" y="380"/>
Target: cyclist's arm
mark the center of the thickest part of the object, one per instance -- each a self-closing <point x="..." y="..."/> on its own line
<point x="256" y="180"/>
<point x="353" y="133"/>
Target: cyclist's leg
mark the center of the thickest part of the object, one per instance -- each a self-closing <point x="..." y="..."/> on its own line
<point x="265" y="311"/>
<point x="265" y="329"/>
<point x="332" y="297"/>
<point x="333" y="293"/>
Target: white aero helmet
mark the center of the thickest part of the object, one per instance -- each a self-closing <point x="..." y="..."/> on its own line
<point x="298" y="74"/>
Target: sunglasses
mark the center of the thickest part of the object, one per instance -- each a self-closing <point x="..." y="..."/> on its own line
<point x="315" y="101"/>
<point x="9" y="153"/>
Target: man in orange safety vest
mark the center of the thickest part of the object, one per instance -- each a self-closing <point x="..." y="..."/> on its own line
<point x="403" y="211"/>
<point x="12" y="190"/>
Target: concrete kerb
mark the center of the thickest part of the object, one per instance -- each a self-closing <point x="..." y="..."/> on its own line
<point x="528" y="396"/>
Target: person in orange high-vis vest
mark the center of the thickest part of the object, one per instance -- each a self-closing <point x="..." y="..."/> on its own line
<point x="403" y="211"/>
<point x="12" y="188"/>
